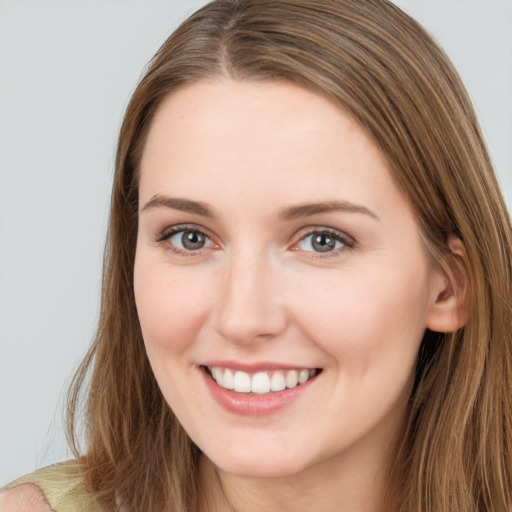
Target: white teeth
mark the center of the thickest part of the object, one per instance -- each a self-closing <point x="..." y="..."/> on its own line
<point x="303" y="376"/>
<point x="217" y="374"/>
<point x="228" y="379"/>
<point x="260" y="383"/>
<point x="277" y="383"/>
<point x="242" y="382"/>
<point x="292" y="379"/>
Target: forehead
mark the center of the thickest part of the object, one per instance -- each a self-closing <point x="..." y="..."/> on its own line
<point x="216" y="108"/>
<point x="258" y="136"/>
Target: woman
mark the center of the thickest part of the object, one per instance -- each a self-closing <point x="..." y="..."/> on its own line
<point x="306" y="296"/>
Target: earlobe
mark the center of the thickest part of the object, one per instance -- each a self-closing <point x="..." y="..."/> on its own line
<point x="450" y="310"/>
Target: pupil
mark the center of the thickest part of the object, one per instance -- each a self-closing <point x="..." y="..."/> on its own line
<point x="323" y="243"/>
<point x="192" y="240"/>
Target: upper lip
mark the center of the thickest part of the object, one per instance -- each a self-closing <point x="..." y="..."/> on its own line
<point x="257" y="366"/>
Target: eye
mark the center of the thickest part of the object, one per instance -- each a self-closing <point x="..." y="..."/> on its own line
<point x="189" y="240"/>
<point x="182" y="239"/>
<point x="324" y="241"/>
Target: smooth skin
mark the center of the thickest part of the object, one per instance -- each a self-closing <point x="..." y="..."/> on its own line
<point x="231" y="266"/>
<point x="24" y="498"/>
<point x="254" y="287"/>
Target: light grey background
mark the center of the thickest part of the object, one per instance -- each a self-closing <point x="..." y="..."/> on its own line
<point x="67" y="69"/>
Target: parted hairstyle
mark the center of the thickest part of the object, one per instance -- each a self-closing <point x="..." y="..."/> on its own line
<point x="374" y="61"/>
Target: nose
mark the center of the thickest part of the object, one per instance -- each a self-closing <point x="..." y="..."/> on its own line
<point x="249" y="306"/>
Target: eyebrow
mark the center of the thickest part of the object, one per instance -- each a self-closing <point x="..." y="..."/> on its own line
<point x="288" y="214"/>
<point x="308" y="209"/>
<point x="176" y="203"/>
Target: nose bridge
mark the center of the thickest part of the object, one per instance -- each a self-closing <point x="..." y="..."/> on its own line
<point x="248" y="306"/>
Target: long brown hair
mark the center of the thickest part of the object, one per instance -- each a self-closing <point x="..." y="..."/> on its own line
<point x="376" y="62"/>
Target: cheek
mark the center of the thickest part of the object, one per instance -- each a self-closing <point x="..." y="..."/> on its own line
<point x="170" y="309"/>
<point x="363" y="317"/>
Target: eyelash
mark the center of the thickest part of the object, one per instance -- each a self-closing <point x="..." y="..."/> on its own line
<point x="347" y="241"/>
<point x="169" y="232"/>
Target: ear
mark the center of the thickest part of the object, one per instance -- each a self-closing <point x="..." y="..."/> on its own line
<point x="450" y="310"/>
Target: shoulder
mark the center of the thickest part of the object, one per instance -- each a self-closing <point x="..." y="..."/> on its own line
<point x="57" y="488"/>
<point x="24" y="498"/>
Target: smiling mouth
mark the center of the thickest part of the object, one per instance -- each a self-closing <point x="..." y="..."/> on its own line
<point x="262" y="382"/>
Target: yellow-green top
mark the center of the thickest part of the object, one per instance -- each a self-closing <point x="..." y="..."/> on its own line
<point x="62" y="487"/>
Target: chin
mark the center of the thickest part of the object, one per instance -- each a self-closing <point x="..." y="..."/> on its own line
<point x="259" y="465"/>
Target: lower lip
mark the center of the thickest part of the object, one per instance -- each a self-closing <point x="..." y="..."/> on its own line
<point x="253" y="405"/>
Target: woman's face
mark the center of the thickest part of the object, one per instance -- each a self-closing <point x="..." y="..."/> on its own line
<point x="277" y="256"/>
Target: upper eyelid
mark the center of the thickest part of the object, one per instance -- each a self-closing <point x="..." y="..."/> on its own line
<point x="310" y="230"/>
<point x="178" y="228"/>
